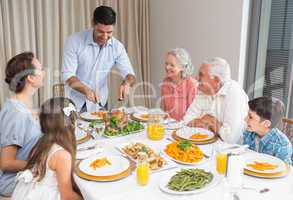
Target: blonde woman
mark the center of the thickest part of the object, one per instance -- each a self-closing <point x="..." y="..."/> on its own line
<point x="179" y="87"/>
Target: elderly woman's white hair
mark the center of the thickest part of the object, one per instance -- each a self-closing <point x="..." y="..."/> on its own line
<point x="219" y="67"/>
<point x="183" y="60"/>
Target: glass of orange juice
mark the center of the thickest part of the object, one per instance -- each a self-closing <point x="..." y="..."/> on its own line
<point x="221" y="160"/>
<point x="142" y="170"/>
<point x="155" y="127"/>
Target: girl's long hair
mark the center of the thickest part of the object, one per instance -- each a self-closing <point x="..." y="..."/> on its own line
<point x="58" y="129"/>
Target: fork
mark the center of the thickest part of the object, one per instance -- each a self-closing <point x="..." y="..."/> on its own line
<point x="86" y="148"/>
<point x="264" y="190"/>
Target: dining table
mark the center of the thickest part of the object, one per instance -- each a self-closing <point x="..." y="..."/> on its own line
<point x="128" y="189"/>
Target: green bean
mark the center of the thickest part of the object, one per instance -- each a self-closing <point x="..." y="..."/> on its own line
<point x="189" y="179"/>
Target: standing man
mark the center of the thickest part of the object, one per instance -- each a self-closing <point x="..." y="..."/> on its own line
<point x="89" y="57"/>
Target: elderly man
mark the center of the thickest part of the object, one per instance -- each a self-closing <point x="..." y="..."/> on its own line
<point x="89" y="57"/>
<point x="221" y="104"/>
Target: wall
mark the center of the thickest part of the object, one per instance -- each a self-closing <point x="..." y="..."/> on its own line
<point x="206" y="28"/>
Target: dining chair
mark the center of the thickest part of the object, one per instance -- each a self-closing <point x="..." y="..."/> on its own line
<point x="5" y="198"/>
<point x="287" y="128"/>
<point x="58" y="90"/>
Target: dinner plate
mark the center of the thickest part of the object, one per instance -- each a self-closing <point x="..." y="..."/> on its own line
<point x="202" y="161"/>
<point x="121" y="135"/>
<point x="186" y="132"/>
<point x="164" y="182"/>
<point x="89" y="116"/>
<point x="118" y="165"/>
<point x="268" y="176"/>
<point x="172" y="124"/>
<point x="169" y="163"/>
<point x="210" y="141"/>
<point x="250" y="158"/>
<point x="139" y="116"/>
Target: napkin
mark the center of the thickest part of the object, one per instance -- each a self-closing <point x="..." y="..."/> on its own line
<point x="235" y="170"/>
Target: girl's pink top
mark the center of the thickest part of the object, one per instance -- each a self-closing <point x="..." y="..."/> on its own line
<point x="175" y="99"/>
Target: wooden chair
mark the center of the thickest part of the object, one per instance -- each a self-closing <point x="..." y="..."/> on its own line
<point x="58" y="90"/>
<point x="5" y="198"/>
<point x="287" y="128"/>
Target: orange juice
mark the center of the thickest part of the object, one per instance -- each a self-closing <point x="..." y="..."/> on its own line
<point x="221" y="162"/>
<point x="143" y="173"/>
<point x="155" y="131"/>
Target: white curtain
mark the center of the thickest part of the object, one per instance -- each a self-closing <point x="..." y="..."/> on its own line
<point x="41" y="26"/>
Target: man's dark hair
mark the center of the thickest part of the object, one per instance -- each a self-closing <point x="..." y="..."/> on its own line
<point x="268" y="109"/>
<point x="104" y="15"/>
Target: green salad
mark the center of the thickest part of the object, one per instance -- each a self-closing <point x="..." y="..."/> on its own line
<point x="116" y="127"/>
<point x="190" y="179"/>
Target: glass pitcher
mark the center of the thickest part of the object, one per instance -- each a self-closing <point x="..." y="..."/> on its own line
<point x="155" y="126"/>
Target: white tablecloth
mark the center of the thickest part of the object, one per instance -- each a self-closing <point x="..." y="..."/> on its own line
<point x="128" y="189"/>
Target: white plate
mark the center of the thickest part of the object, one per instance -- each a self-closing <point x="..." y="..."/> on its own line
<point x="89" y="116"/>
<point x="135" y="109"/>
<point x="260" y="157"/>
<point x="118" y="165"/>
<point x="203" y="160"/>
<point x="165" y="181"/>
<point x="138" y="115"/>
<point x="172" y="124"/>
<point x="186" y="132"/>
<point x="120" y="135"/>
<point x="169" y="163"/>
<point x="80" y="134"/>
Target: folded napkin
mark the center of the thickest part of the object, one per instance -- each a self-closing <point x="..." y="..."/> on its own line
<point x="235" y="170"/>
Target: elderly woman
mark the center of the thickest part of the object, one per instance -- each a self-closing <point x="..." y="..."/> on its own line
<point x="178" y="88"/>
<point x="19" y="126"/>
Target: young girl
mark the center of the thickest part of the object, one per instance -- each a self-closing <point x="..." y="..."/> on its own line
<point x="49" y="172"/>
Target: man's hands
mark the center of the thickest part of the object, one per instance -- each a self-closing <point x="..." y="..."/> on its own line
<point x="208" y="122"/>
<point x="91" y="95"/>
<point x="125" y="86"/>
<point x="123" y="90"/>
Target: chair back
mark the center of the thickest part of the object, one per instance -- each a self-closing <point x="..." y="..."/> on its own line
<point x="287" y="128"/>
<point x="58" y="90"/>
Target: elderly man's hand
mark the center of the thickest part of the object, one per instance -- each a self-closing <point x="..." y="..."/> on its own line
<point x="212" y="123"/>
<point x="198" y="123"/>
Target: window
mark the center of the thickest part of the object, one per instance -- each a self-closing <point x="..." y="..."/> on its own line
<point x="270" y="52"/>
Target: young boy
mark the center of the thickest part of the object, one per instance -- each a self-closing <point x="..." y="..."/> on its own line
<point x="261" y="135"/>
